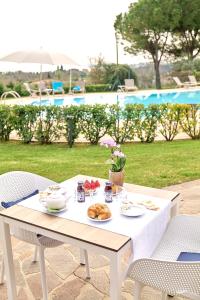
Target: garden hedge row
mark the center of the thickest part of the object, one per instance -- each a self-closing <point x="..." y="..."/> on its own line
<point x="47" y="124"/>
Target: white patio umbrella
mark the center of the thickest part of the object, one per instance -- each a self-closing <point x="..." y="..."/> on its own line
<point x="40" y="57"/>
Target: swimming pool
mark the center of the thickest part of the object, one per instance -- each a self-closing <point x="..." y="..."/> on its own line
<point x="189" y="97"/>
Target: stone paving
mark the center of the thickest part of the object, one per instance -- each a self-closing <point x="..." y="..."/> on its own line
<point x="67" y="279"/>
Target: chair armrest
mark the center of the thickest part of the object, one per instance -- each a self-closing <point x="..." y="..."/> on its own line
<point x="172" y="277"/>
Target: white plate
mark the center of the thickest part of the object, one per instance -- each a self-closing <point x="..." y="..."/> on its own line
<point x="133" y="211"/>
<point x="97" y="220"/>
<point x="88" y="193"/>
<point x="55" y="211"/>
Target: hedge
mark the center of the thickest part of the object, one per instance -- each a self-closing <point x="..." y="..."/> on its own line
<point x="47" y="124"/>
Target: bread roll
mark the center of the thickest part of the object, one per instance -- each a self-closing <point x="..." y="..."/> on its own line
<point x="99" y="211"/>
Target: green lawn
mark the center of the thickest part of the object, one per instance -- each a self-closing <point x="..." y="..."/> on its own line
<point x="157" y="165"/>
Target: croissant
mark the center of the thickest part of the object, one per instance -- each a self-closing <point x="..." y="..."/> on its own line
<point x="99" y="211"/>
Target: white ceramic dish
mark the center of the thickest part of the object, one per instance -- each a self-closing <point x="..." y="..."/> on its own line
<point x="55" y="211"/>
<point x="100" y="221"/>
<point x="132" y="211"/>
<point x="87" y="193"/>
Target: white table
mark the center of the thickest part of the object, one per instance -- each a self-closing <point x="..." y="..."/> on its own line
<point x="117" y="247"/>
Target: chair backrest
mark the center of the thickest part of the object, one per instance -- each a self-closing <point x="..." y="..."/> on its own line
<point x="177" y="80"/>
<point x="42" y="86"/>
<point x="27" y="86"/>
<point x="80" y="86"/>
<point x="129" y="82"/>
<point x="164" y="271"/>
<point x="57" y="85"/>
<point x="18" y="184"/>
<point x="192" y="79"/>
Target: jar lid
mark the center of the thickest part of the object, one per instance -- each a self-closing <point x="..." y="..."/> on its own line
<point x="80" y="182"/>
<point x="108" y="183"/>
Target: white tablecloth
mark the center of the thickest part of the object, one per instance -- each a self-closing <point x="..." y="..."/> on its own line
<point x="145" y="231"/>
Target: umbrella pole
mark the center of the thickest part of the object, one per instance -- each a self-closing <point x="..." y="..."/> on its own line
<point x="40" y="82"/>
<point x="70" y="81"/>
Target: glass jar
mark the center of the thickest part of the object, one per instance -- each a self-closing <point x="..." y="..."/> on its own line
<point x="80" y="192"/>
<point x="108" y="192"/>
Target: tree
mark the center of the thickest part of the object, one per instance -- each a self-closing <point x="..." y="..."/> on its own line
<point x="97" y="70"/>
<point x="115" y="74"/>
<point x="186" y="35"/>
<point x="146" y="28"/>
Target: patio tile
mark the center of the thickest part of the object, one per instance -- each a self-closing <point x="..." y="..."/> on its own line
<point x="29" y="267"/>
<point x="3" y="292"/>
<point x="24" y="294"/>
<point x="61" y="261"/>
<point x="34" y="283"/>
<point x="69" y="290"/>
<point x="128" y="286"/>
<point x="19" y="275"/>
<point x="99" y="279"/>
<point x="89" y="293"/>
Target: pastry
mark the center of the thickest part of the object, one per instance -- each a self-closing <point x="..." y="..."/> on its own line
<point x="99" y="211"/>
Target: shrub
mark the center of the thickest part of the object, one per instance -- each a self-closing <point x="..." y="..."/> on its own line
<point x="66" y="89"/>
<point x="95" y="121"/>
<point x="146" y="122"/>
<point x="2" y="90"/>
<point x="97" y="88"/>
<point x="6" y="122"/>
<point x="19" y="88"/>
<point x="10" y="86"/>
<point x="49" y="124"/>
<point x="190" y="120"/>
<point x="170" y="115"/>
<point x="122" y="128"/>
<point x="25" y="120"/>
<point x="71" y="117"/>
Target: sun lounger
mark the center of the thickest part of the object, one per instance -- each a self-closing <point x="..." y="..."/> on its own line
<point x="57" y="87"/>
<point x="31" y="91"/>
<point x="79" y="87"/>
<point x="43" y="89"/>
<point x="182" y="84"/>
<point x="129" y="86"/>
<point x="193" y="80"/>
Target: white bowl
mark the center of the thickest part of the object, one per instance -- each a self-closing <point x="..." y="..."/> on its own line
<point x="56" y="201"/>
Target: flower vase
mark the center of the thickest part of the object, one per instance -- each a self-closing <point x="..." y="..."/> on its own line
<point x="116" y="177"/>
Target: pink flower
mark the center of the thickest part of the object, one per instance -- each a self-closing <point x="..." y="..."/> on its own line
<point x="118" y="153"/>
<point x="108" y="143"/>
<point x="117" y="158"/>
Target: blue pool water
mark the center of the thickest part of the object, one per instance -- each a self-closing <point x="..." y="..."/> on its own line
<point x="189" y="97"/>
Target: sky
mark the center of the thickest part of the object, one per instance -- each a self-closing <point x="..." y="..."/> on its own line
<point x="81" y="29"/>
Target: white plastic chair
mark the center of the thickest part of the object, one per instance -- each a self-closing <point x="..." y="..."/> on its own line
<point x="193" y="80"/>
<point x="31" y="91"/>
<point x="18" y="184"/>
<point x="162" y="271"/>
<point x="129" y="85"/>
<point x="43" y="89"/>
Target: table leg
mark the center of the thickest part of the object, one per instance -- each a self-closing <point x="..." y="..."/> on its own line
<point x="175" y="206"/>
<point x="115" y="277"/>
<point x="8" y="261"/>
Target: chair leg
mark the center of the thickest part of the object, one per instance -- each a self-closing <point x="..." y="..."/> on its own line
<point x="137" y="290"/>
<point x="164" y="296"/>
<point x="43" y="273"/>
<point x="84" y="261"/>
<point x="87" y="264"/>
<point x="2" y="272"/>
<point x="35" y="254"/>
